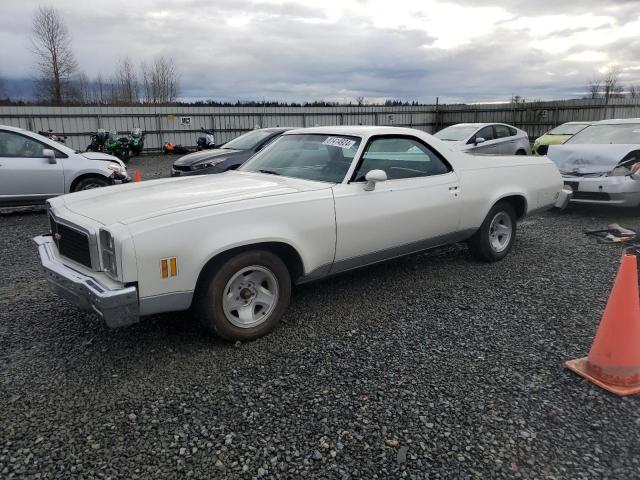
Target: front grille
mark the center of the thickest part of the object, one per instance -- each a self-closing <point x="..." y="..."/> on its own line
<point x="71" y="243"/>
<point x="543" y="149"/>
<point x="182" y="168"/>
<point x="601" y="196"/>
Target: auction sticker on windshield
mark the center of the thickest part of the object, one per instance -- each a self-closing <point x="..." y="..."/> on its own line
<point x="339" y="142"/>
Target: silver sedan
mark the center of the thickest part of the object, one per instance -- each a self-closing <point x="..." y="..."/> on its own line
<point x="487" y="138"/>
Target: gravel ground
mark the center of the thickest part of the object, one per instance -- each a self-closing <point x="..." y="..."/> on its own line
<point x="432" y="366"/>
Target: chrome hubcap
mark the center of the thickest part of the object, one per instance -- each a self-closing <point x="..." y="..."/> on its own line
<point x="500" y="231"/>
<point x="250" y="296"/>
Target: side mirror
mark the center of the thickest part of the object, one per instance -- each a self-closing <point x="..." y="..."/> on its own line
<point x="49" y="155"/>
<point x="372" y="177"/>
<point x="479" y="140"/>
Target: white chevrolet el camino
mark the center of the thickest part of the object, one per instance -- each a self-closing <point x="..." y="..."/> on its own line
<point x="316" y="202"/>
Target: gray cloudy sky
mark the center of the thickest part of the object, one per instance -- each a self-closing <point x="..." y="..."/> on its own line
<point x="300" y="50"/>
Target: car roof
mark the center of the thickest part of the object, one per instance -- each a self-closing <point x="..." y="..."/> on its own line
<point x="354" y="130"/>
<point x="14" y="129"/>
<point x="276" y="129"/>
<point x="479" y="124"/>
<point x="617" y="121"/>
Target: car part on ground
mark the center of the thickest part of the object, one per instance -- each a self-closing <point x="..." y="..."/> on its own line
<point x="323" y="200"/>
<point x="557" y="136"/>
<point x="34" y="168"/>
<point x="486" y="138"/>
<point x="229" y="156"/>
<point x="175" y="149"/>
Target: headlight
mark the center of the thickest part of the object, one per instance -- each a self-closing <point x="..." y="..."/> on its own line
<point x="115" y="167"/>
<point x="209" y="164"/>
<point x="108" y="253"/>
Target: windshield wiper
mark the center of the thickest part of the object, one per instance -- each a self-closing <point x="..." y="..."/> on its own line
<point x="269" y="172"/>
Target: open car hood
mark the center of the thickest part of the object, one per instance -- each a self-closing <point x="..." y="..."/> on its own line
<point x="586" y="159"/>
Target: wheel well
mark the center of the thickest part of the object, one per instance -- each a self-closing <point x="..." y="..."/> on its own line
<point x="286" y="252"/>
<point x="518" y="202"/>
<point x="83" y="176"/>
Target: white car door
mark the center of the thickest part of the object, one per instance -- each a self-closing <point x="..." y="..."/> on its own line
<point x="25" y="173"/>
<point x="417" y="207"/>
<point x="490" y="144"/>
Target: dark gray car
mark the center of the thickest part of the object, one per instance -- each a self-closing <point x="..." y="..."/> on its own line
<point x="228" y="157"/>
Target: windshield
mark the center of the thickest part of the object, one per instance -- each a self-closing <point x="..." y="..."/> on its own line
<point x="247" y="141"/>
<point x="455" y="133"/>
<point x="567" y="129"/>
<point x="322" y="158"/>
<point x="623" y="133"/>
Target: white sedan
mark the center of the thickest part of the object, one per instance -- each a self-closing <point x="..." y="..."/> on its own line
<point x="316" y="202"/>
<point x="487" y="138"/>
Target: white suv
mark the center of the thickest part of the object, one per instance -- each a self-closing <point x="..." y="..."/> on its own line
<point x="34" y="168"/>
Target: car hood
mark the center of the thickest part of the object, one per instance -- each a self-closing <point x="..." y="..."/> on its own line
<point x="203" y="155"/>
<point x="133" y="202"/>
<point x="552" y="139"/>
<point x="100" y="156"/>
<point x="586" y="159"/>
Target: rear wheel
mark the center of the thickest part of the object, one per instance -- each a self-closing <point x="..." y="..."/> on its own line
<point x="90" y="183"/>
<point x="495" y="237"/>
<point x="244" y="297"/>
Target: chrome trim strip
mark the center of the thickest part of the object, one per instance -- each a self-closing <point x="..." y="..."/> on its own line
<point x="169" y="302"/>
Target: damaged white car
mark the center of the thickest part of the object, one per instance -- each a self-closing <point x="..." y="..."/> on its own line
<point x="601" y="164"/>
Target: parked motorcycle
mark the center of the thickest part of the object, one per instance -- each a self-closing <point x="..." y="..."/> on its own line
<point x="56" y="138"/>
<point x="117" y="146"/>
<point x="169" y="147"/>
<point x="98" y="141"/>
<point x="136" y="141"/>
<point x="207" y="141"/>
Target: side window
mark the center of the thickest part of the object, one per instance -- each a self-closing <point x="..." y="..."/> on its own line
<point x="486" y="133"/>
<point x="513" y="131"/>
<point x="503" y="131"/>
<point x="16" y="145"/>
<point x="400" y="157"/>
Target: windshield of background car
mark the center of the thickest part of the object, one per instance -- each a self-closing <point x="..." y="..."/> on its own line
<point x="247" y="141"/>
<point x="567" y="129"/>
<point x="455" y="133"/>
<point x="317" y="157"/>
<point x="623" y="133"/>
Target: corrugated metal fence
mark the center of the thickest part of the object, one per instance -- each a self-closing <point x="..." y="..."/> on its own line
<point x="539" y="117"/>
<point x="182" y="124"/>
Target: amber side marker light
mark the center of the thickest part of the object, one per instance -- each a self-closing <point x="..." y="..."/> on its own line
<point x="169" y="267"/>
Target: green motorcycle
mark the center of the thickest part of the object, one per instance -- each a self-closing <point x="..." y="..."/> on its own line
<point x="117" y="146"/>
<point x="136" y="141"/>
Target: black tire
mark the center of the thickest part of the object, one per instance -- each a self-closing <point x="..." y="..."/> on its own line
<point x="481" y="245"/>
<point x="521" y="152"/>
<point x="89" y="183"/>
<point x="214" y="286"/>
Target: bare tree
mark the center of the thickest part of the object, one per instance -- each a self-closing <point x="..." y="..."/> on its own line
<point x="634" y="91"/>
<point x="360" y="101"/>
<point x="52" y="48"/>
<point x="2" y="92"/>
<point x="594" y="87"/>
<point x="611" y="84"/>
<point x="127" y="82"/>
<point x="160" y="81"/>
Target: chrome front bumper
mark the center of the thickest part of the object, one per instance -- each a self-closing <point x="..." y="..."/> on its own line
<point x="117" y="306"/>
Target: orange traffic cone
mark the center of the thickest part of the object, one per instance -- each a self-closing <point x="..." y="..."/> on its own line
<point x="137" y="176"/>
<point x="614" y="359"/>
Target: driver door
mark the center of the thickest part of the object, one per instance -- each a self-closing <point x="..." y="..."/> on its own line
<point x="25" y="174"/>
<point x="417" y="207"/>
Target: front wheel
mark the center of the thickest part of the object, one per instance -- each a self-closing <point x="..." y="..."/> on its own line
<point x="245" y="297"/>
<point x="90" y="183"/>
<point x="496" y="235"/>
